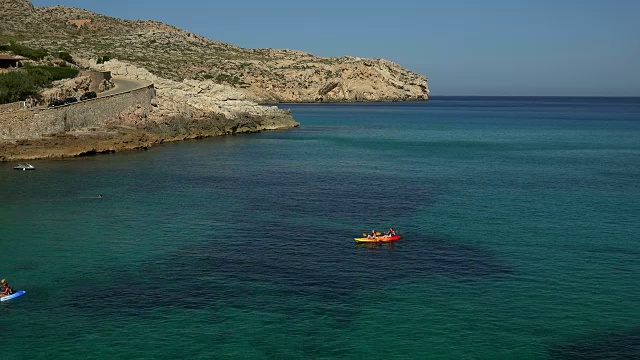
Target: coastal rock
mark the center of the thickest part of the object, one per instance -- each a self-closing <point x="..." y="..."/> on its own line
<point x="151" y="49"/>
<point x="66" y="88"/>
<point x="344" y="79"/>
<point x="181" y="110"/>
<point x="190" y="98"/>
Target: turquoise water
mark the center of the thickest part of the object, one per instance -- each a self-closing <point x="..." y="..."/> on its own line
<point x="520" y="220"/>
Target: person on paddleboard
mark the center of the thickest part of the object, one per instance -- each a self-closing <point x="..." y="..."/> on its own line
<point x="6" y="290"/>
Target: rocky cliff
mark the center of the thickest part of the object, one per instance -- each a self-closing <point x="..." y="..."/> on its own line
<point x="262" y="75"/>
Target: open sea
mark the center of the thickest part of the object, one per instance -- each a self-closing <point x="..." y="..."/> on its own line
<point x="520" y="224"/>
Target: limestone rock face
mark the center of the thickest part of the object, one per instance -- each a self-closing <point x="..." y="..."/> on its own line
<point x="190" y="98"/>
<point x="68" y="88"/>
<point x="105" y="85"/>
<point x="345" y="79"/>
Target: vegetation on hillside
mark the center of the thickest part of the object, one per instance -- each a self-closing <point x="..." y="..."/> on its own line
<point x="66" y="57"/>
<point x="27" y="82"/>
<point x="103" y="59"/>
<point x="22" y="50"/>
<point x="35" y="54"/>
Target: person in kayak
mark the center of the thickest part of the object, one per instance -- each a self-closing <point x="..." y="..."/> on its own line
<point x="391" y="232"/>
<point x="372" y="235"/>
<point x="6" y="290"/>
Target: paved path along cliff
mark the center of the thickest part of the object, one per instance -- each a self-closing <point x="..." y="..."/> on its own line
<point x="123" y="85"/>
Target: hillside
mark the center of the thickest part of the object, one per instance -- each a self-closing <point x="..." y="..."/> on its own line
<point x="262" y="75"/>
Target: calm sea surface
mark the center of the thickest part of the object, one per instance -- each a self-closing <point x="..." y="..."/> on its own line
<point x="520" y="220"/>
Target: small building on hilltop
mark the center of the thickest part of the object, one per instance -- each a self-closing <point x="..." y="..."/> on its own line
<point x="79" y="23"/>
<point x="8" y="61"/>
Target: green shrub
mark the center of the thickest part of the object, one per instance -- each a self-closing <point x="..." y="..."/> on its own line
<point x="54" y="72"/>
<point x="229" y="79"/>
<point x="18" y="85"/>
<point x="5" y="39"/>
<point x="22" y="84"/>
<point x="103" y="59"/>
<point x="22" y="50"/>
<point x="66" y="57"/>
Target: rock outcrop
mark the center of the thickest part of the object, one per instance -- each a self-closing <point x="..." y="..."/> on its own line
<point x="76" y="87"/>
<point x="197" y="99"/>
<point x="117" y="136"/>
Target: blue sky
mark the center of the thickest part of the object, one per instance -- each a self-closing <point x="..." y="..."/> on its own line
<point x="490" y="47"/>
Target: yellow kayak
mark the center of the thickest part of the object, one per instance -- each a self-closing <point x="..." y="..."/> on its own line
<point x="378" y="239"/>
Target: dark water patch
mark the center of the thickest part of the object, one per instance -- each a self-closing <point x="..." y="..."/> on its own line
<point x="289" y="273"/>
<point x="614" y="345"/>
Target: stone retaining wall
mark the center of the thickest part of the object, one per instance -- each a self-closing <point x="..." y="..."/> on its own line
<point x="34" y="123"/>
<point x="15" y="106"/>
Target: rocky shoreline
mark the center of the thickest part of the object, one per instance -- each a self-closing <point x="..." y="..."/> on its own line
<point x="124" y="138"/>
<point x="177" y="111"/>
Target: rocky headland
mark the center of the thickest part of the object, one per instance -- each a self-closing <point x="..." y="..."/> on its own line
<point x="202" y="87"/>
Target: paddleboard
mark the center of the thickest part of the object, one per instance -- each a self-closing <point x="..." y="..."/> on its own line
<point x="13" y="296"/>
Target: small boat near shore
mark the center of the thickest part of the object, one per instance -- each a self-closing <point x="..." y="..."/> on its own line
<point x="25" y="166"/>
